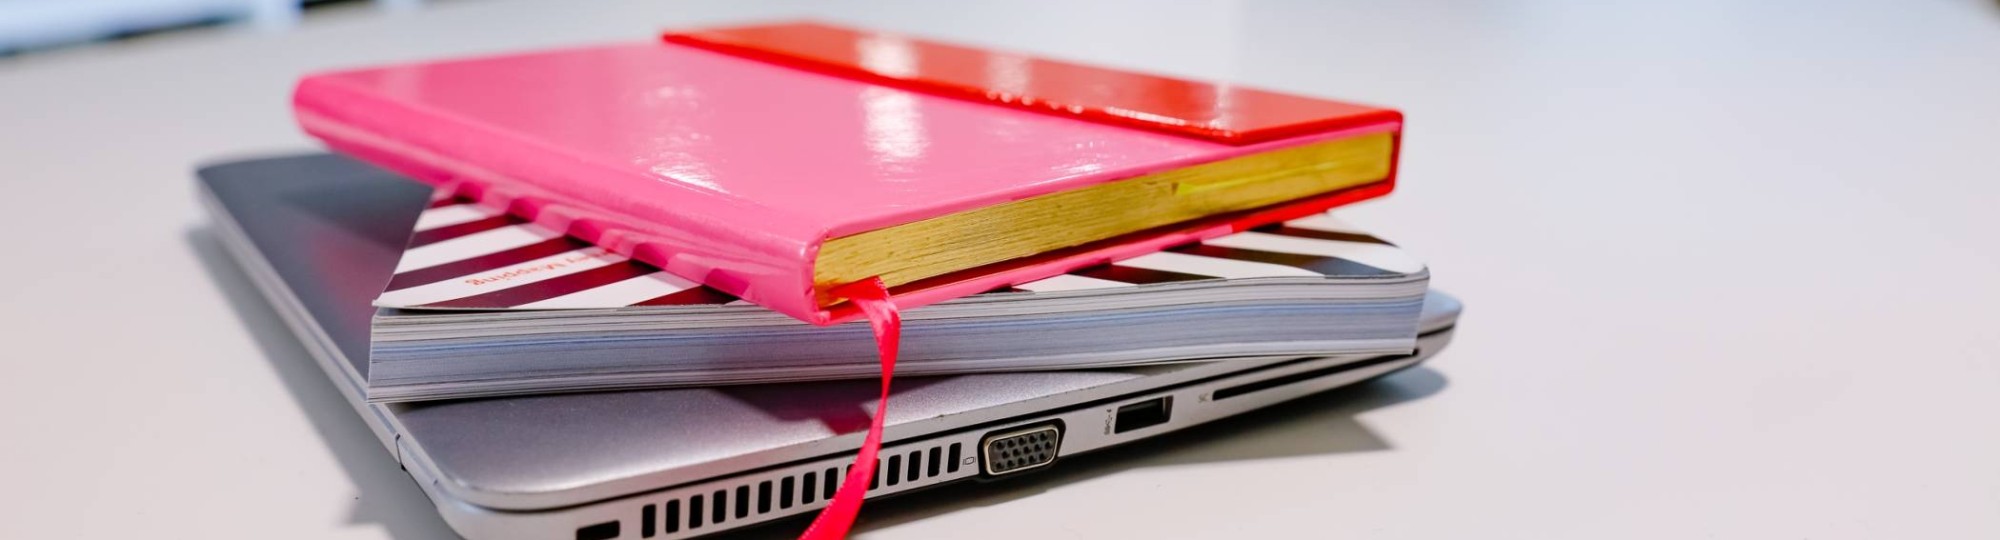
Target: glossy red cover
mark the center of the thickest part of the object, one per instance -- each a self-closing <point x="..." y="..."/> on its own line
<point x="1210" y="111"/>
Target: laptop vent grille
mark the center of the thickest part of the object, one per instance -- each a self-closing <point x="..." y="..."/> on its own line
<point x="756" y="498"/>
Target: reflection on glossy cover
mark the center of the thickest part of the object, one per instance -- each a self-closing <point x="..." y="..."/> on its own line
<point x="731" y="172"/>
<point x="1218" y="112"/>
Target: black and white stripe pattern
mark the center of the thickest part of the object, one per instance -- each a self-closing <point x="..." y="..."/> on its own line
<point x="462" y="255"/>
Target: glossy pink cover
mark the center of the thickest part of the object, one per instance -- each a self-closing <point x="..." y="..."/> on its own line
<point x="732" y="172"/>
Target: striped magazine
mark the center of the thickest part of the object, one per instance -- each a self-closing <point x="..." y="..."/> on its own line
<point x="466" y="256"/>
<point x="485" y="303"/>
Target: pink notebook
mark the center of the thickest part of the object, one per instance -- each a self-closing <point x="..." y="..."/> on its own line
<point x="731" y="171"/>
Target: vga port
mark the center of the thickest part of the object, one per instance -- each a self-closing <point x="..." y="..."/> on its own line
<point x="1021" y="449"/>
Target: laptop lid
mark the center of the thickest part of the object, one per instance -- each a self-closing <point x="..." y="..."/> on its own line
<point x="329" y="231"/>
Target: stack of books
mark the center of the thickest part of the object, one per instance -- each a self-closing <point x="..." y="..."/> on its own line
<point x="495" y="318"/>
<point x="701" y="212"/>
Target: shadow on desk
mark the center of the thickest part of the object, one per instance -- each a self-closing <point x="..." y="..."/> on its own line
<point x="389" y="498"/>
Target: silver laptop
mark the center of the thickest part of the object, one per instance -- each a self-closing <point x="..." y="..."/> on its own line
<point x="319" y="234"/>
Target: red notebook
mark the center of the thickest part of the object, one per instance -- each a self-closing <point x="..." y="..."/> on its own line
<point x="780" y="162"/>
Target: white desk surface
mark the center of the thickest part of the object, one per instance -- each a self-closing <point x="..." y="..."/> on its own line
<point x="1732" y="270"/>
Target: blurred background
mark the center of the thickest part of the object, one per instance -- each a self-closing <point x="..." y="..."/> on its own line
<point x="28" y="26"/>
<point x="1730" y="265"/>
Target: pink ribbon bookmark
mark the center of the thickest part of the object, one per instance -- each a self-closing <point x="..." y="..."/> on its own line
<point x="838" y="516"/>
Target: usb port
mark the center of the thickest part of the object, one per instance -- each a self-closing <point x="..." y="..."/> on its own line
<point x="1143" y="414"/>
